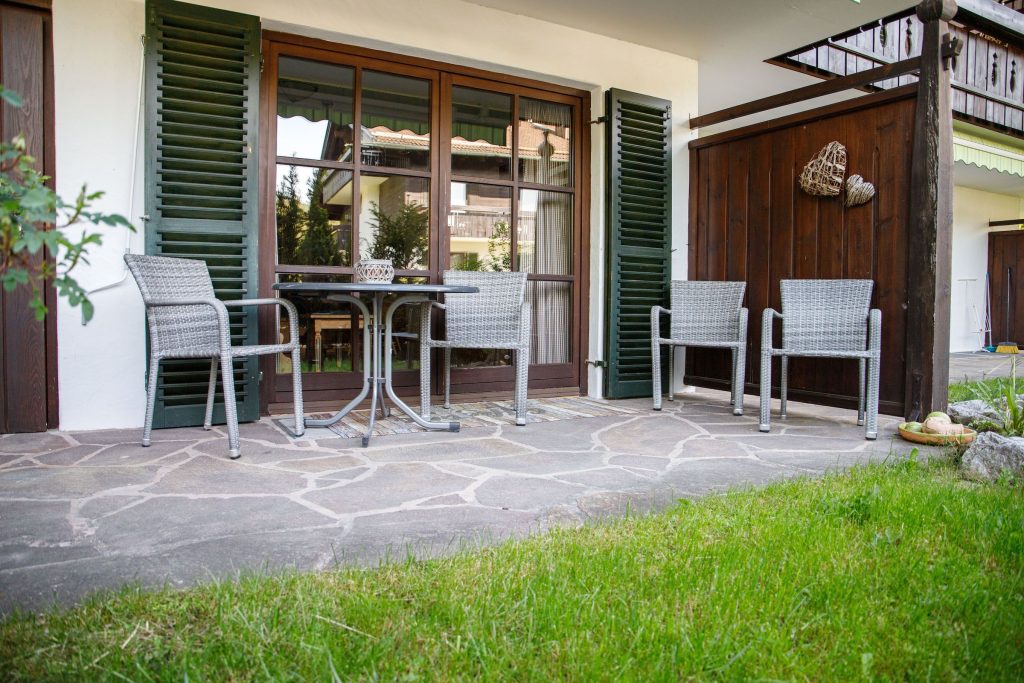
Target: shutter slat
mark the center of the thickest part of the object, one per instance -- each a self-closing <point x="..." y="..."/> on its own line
<point x="202" y="76"/>
<point x="639" y="146"/>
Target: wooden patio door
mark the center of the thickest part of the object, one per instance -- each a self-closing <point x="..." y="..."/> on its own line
<point x="28" y="356"/>
<point x="1006" y="282"/>
<point x="376" y="155"/>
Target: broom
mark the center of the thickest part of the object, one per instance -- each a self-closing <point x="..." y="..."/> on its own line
<point x="1008" y="346"/>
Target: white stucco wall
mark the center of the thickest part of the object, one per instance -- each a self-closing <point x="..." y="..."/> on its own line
<point x="97" y="57"/>
<point x="972" y="211"/>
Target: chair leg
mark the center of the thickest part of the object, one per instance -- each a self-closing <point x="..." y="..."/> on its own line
<point x="147" y="429"/>
<point x="739" y="380"/>
<point x="682" y="364"/>
<point x="766" y="391"/>
<point x="783" y="385"/>
<point x="522" y="380"/>
<point x="227" y="378"/>
<point x="656" y="374"/>
<point x="210" y="394"/>
<point x="424" y="381"/>
<point x="447" y="378"/>
<point x="860" y="400"/>
<point x="732" y="392"/>
<point x="672" y="373"/>
<point x="871" y="431"/>
<point x="300" y="418"/>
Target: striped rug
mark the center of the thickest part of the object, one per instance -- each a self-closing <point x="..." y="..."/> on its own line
<point x="482" y="414"/>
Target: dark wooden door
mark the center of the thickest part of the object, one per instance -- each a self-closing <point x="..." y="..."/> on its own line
<point x="28" y="376"/>
<point x="1006" y="270"/>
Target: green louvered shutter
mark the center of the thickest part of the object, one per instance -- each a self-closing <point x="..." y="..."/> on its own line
<point x="638" y="144"/>
<point x="202" y="82"/>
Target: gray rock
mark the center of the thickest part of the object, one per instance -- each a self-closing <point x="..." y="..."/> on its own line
<point x="976" y="410"/>
<point x="992" y="453"/>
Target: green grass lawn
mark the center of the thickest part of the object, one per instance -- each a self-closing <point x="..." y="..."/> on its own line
<point x="887" y="572"/>
<point x="965" y="391"/>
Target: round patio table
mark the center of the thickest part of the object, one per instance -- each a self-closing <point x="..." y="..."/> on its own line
<point x="376" y="363"/>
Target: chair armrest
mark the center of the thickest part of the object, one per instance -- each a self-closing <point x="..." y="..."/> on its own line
<point x="660" y="309"/>
<point x="293" y="313"/>
<point x="743" y="318"/>
<point x="767" y="317"/>
<point x="656" y="312"/>
<point x="216" y="304"/>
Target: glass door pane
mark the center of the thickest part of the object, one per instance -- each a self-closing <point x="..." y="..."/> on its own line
<point x="479" y="232"/>
<point x="394" y="220"/>
<point x="315" y="109"/>
<point x="481" y="133"/>
<point x="396" y="121"/>
<point x="544" y="148"/>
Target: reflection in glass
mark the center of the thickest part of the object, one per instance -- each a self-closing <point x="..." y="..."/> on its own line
<point x="405" y="336"/>
<point x="330" y="332"/>
<point x="544" y="142"/>
<point x="481" y="133"/>
<point x="544" y="237"/>
<point x="314" y="216"/>
<point x="480" y="237"/>
<point x="396" y="121"/>
<point x="551" y="307"/>
<point x="314" y="109"/>
<point x="394" y="220"/>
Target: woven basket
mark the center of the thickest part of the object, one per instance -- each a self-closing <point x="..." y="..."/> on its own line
<point x="375" y="270"/>
<point x="823" y="175"/>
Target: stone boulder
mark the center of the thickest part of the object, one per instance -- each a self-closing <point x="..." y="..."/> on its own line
<point x="966" y="412"/>
<point x="991" y="454"/>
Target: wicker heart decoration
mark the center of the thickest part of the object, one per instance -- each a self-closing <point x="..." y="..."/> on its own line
<point x="858" y="191"/>
<point x="823" y="175"/>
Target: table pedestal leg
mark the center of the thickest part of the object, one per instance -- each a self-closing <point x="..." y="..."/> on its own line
<point x="327" y="422"/>
<point x="399" y="403"/>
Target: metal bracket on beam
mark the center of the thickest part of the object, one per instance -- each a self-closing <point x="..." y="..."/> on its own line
<point x="951" y="49"/>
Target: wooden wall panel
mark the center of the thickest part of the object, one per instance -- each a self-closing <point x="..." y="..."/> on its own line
<point x="27" y="384"/>
<point x="750" y="221"/>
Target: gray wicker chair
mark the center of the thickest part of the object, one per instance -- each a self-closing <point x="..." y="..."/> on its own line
<point x="186" y="320"/>
<point x="708" y="314"/>
<point x="825" y="319"/>
<point x="498" y="317"/>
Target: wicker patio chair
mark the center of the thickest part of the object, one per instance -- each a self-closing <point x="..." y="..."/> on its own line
<point x="186" y="320"/>
<point x="825" y="319"/>
<point x="498" y="317"/>
<point x="708" y="314"/>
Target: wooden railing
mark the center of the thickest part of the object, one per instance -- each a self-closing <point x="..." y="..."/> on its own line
<point x="987" y="75"/>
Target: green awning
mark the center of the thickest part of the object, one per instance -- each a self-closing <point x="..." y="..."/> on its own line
<point x="988" y="153"/>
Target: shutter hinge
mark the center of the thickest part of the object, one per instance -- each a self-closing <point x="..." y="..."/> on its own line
<point x="600" y="119"/>
<point x="261" y="62"/>
<point x="595" y="363"/>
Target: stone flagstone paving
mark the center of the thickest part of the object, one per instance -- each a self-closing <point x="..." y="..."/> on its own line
<point x="80" y="512"/>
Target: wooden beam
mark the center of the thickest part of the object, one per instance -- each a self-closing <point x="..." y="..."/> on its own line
<point x="999" y="224"/>
<point x="929" y="246"/>
<point x="808" y="92"/>
<point x="991" y="19"/>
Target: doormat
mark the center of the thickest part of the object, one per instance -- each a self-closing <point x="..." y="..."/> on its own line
<point x="482" y="414"/>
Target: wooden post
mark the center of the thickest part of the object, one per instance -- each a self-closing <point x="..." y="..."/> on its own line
<point x="929" y="258"/>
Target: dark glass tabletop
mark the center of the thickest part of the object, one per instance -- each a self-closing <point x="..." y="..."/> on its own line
<point x="391" y="287"/>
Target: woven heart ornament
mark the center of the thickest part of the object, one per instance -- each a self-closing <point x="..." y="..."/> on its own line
<point x="823" y="175"/>
<point x="858" y="191"/>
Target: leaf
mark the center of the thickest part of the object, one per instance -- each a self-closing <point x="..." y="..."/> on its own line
<point x="10" y="97"/>
<point x="87" y="310"/>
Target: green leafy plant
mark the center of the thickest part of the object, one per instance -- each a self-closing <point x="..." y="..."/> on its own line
<point x="402" y="236"/>
<point x="499" y="247"/>
<point x="36" y="247"/>
<point x="1003" y="397"/>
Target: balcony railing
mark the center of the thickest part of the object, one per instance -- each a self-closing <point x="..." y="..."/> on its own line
<point x="987" y="78"/>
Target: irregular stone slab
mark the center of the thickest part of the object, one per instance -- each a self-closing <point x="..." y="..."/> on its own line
<point x="542" y="463"/>
<point x="526" y="493"/>
<point x="646" y="462"/>
<point x="454" y="450"/>
<point x="777" y="441"/>
<point x="106" y="437"/>
<point x="24" y="444"/>
<point x="66" y="456"/>
<point x="823" y="462"/>
<point x="322" y="463"/>
<point x="621" y="503"/>
<point x="562" y="435"/>
<point x="211" y="476"/>
<point x="712" y="448"/>
<point x="133" y="454"/>
<point x="604" y="478"/>
<point x="448" y="501"/>
<point x="705" y="476"/>
<point x="388" y="487"/>
<point x="162" y="521"/>
<point x="325" y="479"/>
<point x="263" y="430"/>
<point x="253" y="451"/>
<point x="33" y="555"/>
<point x="992" y="454"/>
<point x="428" y="533"/>
<point x="35" y="521"/>
<point x="647" y="435"/>
<point x="70" y="482"/>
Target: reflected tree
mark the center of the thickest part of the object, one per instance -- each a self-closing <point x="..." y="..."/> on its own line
<point x="289" y="218"/>
<point x="320" y="242"/>
<point x="402" y="236"/>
